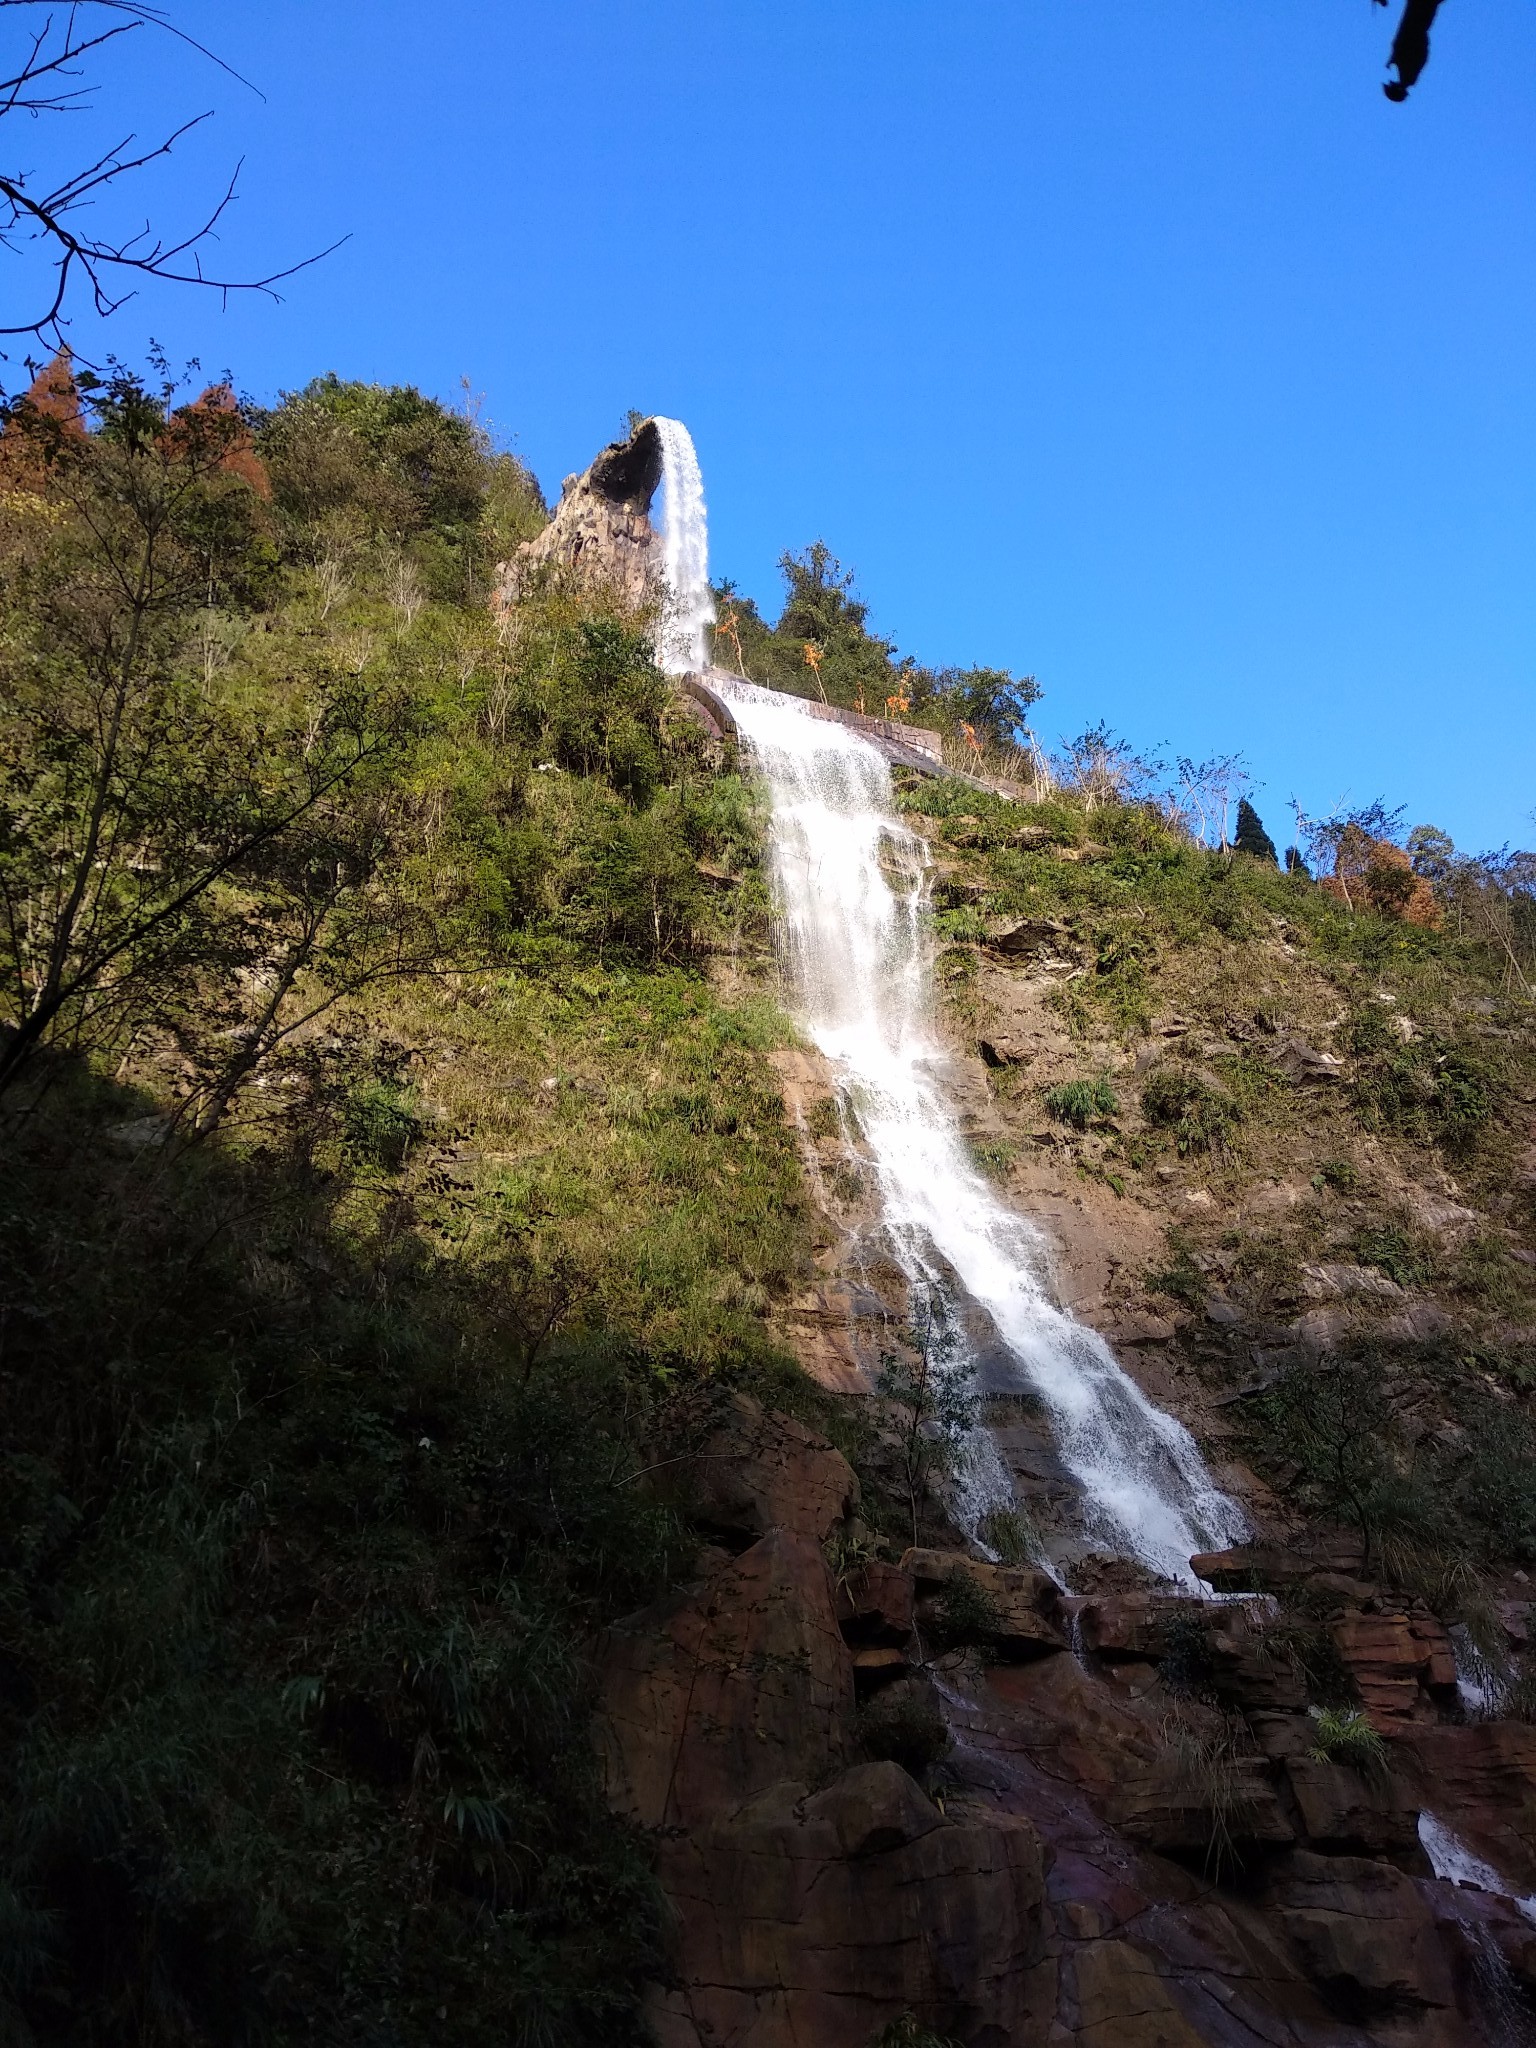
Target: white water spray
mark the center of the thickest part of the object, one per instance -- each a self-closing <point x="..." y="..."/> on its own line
<point x="850" y="882"/>
<point x="1452" y="1861"/>
<point x="685" y="553"/>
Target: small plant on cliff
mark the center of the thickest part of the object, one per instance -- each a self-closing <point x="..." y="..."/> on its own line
<point x="1010" y="1533"/>
<point x="909" y="2032"/>
<point x="1081" y="1103"/>
<point x="1197" y="1115"/>
<point x="903" y="1725"/>
<point x="1345" y="1736"/>
<point x="967" y="1612"/>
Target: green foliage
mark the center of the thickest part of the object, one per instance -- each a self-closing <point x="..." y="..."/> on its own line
<point x="1082" y="1103"/>
<point x="1011" y="1534"/>
<point x="1391" y="1252"/>
<point x="856" y="666"/>
<point x="1430" y="1089"/>
<point x="1339" y="1174"/>
<point x="1345" y="1736"/>
<point x="966" y="1613"/>
<point x="1251" y="837"/>
<point x="910" y="2032"/>
<point x="1196" y="1115"/>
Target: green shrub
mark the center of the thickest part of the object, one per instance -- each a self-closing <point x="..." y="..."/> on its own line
<point x="380" y="1123"/>
<point x="1198" y="1116"/>
<point x="1081" y="1103"/>
<point x="903" y="1725"/>
<point x="1345" y="1736"/>
<point x="1011" y="1533"/>
<point x="967" y="1613"/>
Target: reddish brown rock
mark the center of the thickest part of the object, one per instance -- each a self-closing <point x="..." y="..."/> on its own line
<point x="1123" y="2000"/>
<point x="1397" y="1661"/>
<point x="1023" y="1605"/>
<point x="759" y="1470"/>
<point x="875" y="1604"/>
<point x="810" y="1922"/>
<point x="1365" y="1936"/>
<point x="1344" y="1810"/>
<point x="711" y="1697"/>
<point x="1481" y="1781"/>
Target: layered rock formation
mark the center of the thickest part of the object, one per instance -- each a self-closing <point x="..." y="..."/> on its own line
<point x="1138" y="1842"/>
<point x="600" y="537"/>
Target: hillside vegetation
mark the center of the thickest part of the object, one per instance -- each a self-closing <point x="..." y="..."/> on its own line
<point x="393" y="1164"/>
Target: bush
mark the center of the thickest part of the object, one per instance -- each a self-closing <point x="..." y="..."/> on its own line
<point x="903" y="1725"/>
<point x="1082" y="1103"/>
<point x="1345" y="1736"/>
<point x="1198" y="1116"/>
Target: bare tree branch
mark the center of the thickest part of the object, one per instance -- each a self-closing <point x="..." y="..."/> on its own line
<point x="105" y="268"/>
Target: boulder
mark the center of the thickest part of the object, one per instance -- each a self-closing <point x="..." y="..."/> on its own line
<point x="759" y="1470"/>
<point x="1364" y="1934"/>
<point x="1481" y="1781"/>
<point x="1346" y="1811"/>
<point x="711" y="1697"/>
<point x="1022" y="1606"/>
<point x="812" y="1921"/>
<point x="1398" y="1662"/>
<point x="875" y="1604"/>
<point x="1123" y="2001"/>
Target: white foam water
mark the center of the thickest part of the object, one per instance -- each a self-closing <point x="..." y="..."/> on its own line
<point x="690" y="605"/>
<point x="1452" y="1861"/>
<point x="850" y="885"/>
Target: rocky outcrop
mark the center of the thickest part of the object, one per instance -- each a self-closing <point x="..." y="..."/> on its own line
<point x="808" y="1921"/>
<point x="717" y="1695"/>
<point x="601" y="537"/>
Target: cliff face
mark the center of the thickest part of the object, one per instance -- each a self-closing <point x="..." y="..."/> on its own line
<point x="897" y="1788"/>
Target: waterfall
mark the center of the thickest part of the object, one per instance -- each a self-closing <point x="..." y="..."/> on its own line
<point x="1453" y="1862"/>
<point x="689" y="606"/>
<point x="850" y="881"/>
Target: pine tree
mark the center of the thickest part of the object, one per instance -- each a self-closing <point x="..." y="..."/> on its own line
<point x="1251" y="836"/>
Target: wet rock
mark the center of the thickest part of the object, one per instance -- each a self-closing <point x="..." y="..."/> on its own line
<point x="1481" y="1780"/>
<point x="810" y="1922"/>
<point x="1124" y="2001"/>
<point x="710" y="1697"/>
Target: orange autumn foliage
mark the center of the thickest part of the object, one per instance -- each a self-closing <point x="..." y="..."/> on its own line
<point x="1373" y="874"/>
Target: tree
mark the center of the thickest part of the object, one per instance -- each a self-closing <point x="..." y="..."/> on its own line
<point x="45" y="225"/>
<point x="129" y="796"/>
<point x="1251" y="836"/>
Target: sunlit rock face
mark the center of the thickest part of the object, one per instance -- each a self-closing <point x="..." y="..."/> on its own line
<point x="601" y="536"/>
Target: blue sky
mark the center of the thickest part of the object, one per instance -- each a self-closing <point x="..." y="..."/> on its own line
<point x="1146" y="348"/>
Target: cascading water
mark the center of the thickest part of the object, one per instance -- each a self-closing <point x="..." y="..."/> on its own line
<point x="685" y="554"/>
<point x="857" y="956"/>
<point x="859" y="965"/>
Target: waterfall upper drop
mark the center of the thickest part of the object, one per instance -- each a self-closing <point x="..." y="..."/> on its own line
<point x="689" y="606"/>
<point x="858" y="961"/>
